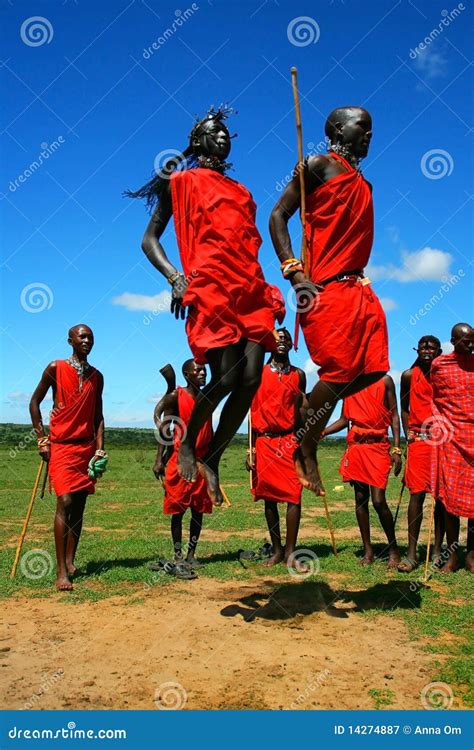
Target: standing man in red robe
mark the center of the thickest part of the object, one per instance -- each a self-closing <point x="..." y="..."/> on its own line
<point x="75" y="442"/>
<point x="416" y="396"/>
<point x="231" y="309"/>
<point x="452" y="380"/>
<point x="368" y="458"/>
<point x="180" y="495"/>
<point x="276" y="416"/>
<point x="342" y="319"/>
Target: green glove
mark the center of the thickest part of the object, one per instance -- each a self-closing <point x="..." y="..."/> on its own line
<point x="97" y="467"/>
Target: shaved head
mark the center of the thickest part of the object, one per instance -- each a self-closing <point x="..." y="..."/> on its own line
<point x="188" y="367"/>
<point x="339" y="117"/>
<point x="462" y="338"/>
<point x="76" y="328"/>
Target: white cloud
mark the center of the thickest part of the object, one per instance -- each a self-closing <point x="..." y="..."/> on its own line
<point x="447" y="347"/>
<point x="154" y="399"/>
<point x="431" y="63"/>
<point x="20" y="398"/>
<point x="144" y="302"/>
<point x="428" y="264"/>
<point x="388" y="304"/>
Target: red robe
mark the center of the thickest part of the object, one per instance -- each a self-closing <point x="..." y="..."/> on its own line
<point x="71" y="430"/>
<point x="273" y="411"/>
<point x="227" y="297"/>
<point x="345" y="330"/>
<point x="452" y="379"/>
<point x="367" y="462"/>
<point x="419" y="451"/>
<point x="179" y="494"/>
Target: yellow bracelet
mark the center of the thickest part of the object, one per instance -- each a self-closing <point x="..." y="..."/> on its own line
<point x="396" y="451"/>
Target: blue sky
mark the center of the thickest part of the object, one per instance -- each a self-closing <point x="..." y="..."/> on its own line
<point x="94" y="103"/>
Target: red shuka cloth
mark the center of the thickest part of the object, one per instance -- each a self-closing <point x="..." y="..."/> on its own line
<point x="345" y="330"/>
<point x="452" y="379"/>
<point x="72" y="430"/>
<point x="227" y="296"/>
<point x="368" y="463"/>
<point x="274" y="410"/>
<point x="179" y="494"/>
<point x="419" y="452"/>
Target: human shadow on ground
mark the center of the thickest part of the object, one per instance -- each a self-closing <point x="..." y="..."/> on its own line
<point x="290" y="600"/>
<point x="95" y="567"/>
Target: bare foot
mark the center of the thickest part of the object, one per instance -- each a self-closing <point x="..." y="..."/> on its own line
<point x="450" y="567"/>
<point x="71" y="570"/>
<point x="307" y="470"/>
<point x="276" y="558"/>
<point x="407" y="565"/>
<point x="394" y="559"/>
<point x="368" y="559"/>
<point x="63" y="583"/>
<point x="212" y="483"/>
<point x="292" y="563"/>
<point x="470" y="562"/>
<point x="187" y="467"/>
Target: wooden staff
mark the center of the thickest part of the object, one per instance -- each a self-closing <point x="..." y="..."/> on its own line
<point x="299" y="137"/>
<point x="224" y="495"/>
<point x="430" y="533"/>
<point x="399" y="502"/>
<point x="329" y="523"/>
<point x="45" y="479"/>
<point x="250" y="449"/>
<point x="27" y="518"/>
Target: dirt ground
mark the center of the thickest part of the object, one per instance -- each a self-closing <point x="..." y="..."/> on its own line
<point x="214" y="645"/>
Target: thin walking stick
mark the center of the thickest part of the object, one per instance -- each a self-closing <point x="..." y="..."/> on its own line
<point x="250" y="449"/>
<point x="299" y="138"/>
<point x="430" y="533"/>
<point x="224" y="495"/>
<point x="27" y="518"/>
<point x="45" y="479"/>
<point x="329" y="523"/>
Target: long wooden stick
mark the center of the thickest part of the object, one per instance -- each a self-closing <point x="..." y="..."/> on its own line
<point x="27" y="518"/>
<point x="430" y="533"/>
<point x="399" y="502"/>
<point x="329" y="523"/>
<point x="299" y="138"/>
<point x="250" y="449"/>
<point x="224" y="495"/>
<point x="45" y="479"/>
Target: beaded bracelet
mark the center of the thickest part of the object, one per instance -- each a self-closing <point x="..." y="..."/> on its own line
<point x="291" y="266"/>
<point x="175" y="277"/>
<point x="396" y="451"/>
<point x="102" y="454"/>
<point x="43" y="441"/>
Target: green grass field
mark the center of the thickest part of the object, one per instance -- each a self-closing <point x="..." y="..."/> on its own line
<point x="125" y="528"/>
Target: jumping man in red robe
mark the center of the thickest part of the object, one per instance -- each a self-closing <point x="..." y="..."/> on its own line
<point x="76" y="435"/>
<point x="342" y="319"/>
<point x="368" y="458"/>
<point x="452" y="380"/>
<point x="416" y="395"/>
<point x="276" y="416"/>
<point x="231" y="310"/>
<point x="180" y="495"/>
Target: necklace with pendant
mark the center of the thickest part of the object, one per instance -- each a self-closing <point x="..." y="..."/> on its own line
<point x="280" y="370"/>
<point x="80" y="368"/>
